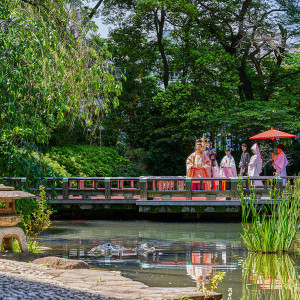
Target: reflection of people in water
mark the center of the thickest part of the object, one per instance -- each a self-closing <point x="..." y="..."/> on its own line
<point x="199" y="273"/>
<point x="201" y="269"/>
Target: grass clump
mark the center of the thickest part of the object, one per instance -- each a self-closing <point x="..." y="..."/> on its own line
<point x="273" y="227"/>
<point x="33" y="246"/>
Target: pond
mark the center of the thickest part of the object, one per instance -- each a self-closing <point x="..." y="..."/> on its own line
<point x="185" y="253"/>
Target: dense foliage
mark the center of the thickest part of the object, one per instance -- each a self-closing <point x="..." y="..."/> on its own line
<point x="89" y="161"/>
<point x="168" y="72"/>
<point x="35" y="214"/>
<point x="53" y="73"/>
<point x="230" y="69"/>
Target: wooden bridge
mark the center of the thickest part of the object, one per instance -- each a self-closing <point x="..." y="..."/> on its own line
<point x="149" y="194"/>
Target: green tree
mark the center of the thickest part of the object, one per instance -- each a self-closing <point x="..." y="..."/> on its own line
<point x="233" y="71"/>
<point x="52" y="70"/>
<point x="135" y="58"/>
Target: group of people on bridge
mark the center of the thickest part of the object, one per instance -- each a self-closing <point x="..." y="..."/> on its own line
<point x="203" y="164"/>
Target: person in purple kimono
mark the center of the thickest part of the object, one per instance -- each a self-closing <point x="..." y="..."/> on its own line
<point x="212" y="155"/>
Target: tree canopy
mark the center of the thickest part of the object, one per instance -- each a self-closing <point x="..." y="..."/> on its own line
<point x="53" y="71"/>
<point x="229" y="69"/>
<point x="168" y="72"/>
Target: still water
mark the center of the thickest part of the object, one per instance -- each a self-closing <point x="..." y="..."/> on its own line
<point x="185" y="253"/>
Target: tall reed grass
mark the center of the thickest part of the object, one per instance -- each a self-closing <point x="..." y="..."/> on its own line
<point x="272" y="227"/>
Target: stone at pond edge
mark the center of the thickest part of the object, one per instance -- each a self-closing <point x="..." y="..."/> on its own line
<point x="22" y="256"/>
<point x="61" y="263"/>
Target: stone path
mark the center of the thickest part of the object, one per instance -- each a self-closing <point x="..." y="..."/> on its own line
<point x="20" y="280"/>
<point x="16" y="289"/>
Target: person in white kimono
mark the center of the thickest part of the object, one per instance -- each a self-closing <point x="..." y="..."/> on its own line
<point x="228" y="168"/>
<point x="280" y="162"/>
<point x="255" y="164"/>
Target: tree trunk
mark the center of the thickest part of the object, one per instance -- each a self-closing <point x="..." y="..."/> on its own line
<point x="159" y="26"/>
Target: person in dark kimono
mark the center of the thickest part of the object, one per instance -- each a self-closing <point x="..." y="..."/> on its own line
<point x="245" y="159"/>
<point x="212" y="155"/>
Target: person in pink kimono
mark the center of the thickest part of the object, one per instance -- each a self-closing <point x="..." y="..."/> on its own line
<point x="280" y="162"/>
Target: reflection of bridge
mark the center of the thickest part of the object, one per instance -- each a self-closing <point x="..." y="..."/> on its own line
<point x="149" y="194"/>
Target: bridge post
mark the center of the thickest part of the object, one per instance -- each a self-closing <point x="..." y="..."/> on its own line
<point x="143" y="189"/>
<point x="188" y="188"/>
<point x="107" y="188"/>
<point x="233" y="187"/>
<point x="65" y="188"/>
<point x="279" y="184"/>
<point x="23" y="181"/>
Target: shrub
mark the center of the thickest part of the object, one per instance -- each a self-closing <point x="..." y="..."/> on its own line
<point x="93" y="161"/>
<point x="35" y="214"/>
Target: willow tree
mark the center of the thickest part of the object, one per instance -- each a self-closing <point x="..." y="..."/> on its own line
<point x="52" y="68"/>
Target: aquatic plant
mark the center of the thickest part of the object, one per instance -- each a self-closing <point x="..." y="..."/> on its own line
<point x="214" y="284"/>
<point x="270" y="277"/>
<point x="272" y="227"/>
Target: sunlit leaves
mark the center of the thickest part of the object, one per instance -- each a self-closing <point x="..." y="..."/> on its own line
<point x="51" y="66"/>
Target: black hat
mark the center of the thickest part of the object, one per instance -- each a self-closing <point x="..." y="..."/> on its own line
<point x="280" y="146"/>
<point x="228" y="149"/>
<point x="244" y="145"/>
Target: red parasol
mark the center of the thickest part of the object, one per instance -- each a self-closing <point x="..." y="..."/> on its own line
<point x="272" y="135"/>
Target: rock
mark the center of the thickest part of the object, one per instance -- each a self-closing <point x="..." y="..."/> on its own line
<point x="8" y="233"/>
<point x="61" y="263"/>
<point x="107" y="249"/>
<point x="144" y="249"/>
<point x="23" y="256"/>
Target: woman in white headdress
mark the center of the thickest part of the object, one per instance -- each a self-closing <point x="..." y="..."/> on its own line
<point x="255" y="164"/>
<point x="228" y="168"/>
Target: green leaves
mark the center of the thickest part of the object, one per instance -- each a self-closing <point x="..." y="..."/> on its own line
<point x="51" y="69"/>
<point x="35" y="214"/>
<point x="273" y="227"/>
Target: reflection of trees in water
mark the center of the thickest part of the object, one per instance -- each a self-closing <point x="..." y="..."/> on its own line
<point x="270" y="276"/>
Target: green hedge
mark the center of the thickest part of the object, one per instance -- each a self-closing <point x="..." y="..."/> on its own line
<point x="89" y="161"/>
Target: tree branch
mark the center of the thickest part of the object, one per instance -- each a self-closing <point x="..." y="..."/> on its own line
<point x="94" y="10"/>
<point x="37" y="4"/>
<point x="279" y="57"/>
<point x="159" y="27"/>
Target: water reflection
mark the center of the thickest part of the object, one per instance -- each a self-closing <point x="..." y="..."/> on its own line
<point x="270" y="276"/>
<point x="186" y="253"/>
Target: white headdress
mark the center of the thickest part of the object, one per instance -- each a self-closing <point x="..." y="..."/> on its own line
<point x="257" y="152"/>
